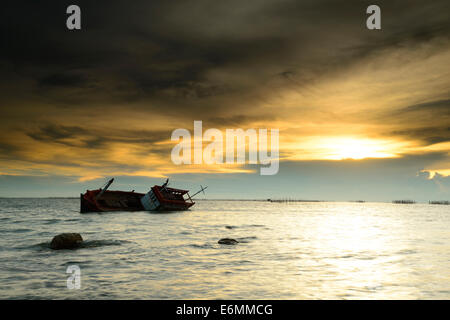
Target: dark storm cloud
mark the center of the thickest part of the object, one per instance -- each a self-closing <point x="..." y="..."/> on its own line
<point x="430" y="135"/>
<point x="63" y="80"/>
<point x="439" y="106"/>
<point x="169" y="50"/>
<point x="6" y="149"/>
<point x="92" y="138"/>
<point x="56" y="132"/>
<point x="237" y="120"/>
<point x="427" y="122"/>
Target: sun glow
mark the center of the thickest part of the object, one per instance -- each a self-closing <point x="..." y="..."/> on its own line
<point x="340" y="148"/>
<point x="351" y="148"/>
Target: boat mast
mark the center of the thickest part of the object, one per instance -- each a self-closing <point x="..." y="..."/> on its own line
<point x="104" y="189"/>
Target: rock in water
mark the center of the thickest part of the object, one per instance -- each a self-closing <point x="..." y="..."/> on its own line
<point x="66" y="241"/>
<point x="228" y="241"/>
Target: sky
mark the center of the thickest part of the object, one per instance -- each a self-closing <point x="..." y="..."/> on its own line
<point x="362" y="114"/>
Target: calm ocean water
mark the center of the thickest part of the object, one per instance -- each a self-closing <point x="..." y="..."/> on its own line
<point x="286" y="251"/>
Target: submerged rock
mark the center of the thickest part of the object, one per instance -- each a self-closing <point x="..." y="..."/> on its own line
<point x="66" y="241"/>
<point x="228" y="241"/>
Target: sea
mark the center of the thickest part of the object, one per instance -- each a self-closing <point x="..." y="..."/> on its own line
<point x="297" y="250"/>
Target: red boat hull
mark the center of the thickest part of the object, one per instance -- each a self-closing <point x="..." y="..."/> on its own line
<point x="110" y="201"/>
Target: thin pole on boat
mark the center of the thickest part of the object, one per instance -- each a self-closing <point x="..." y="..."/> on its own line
<point x="164" y="186"/>
<point x="201" y="190"/>
<point x="105" y="188"/>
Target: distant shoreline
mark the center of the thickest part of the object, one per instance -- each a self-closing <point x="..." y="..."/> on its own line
<point x="275" y="201"/>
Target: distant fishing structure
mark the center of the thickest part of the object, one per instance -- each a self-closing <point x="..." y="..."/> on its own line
<point x="293" y="200"/>
<point x="439" y="202"/>
<point x="404" y="201"/>
<point x="289" y="200"/>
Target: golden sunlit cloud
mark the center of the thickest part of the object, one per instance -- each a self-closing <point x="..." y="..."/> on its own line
<point x="442" y="172"/>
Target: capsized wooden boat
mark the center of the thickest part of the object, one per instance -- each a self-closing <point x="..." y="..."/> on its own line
<point x="159" y="198"/>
